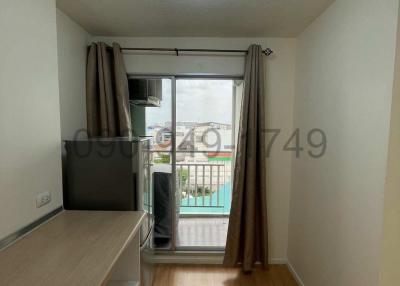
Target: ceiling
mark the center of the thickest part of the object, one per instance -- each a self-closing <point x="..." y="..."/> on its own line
<point x="194" y="18"/>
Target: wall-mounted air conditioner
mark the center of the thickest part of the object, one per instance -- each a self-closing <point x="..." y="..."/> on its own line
<point x="145" y="92"/>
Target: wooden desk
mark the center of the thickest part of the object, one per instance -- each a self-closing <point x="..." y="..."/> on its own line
<point x="76" y="248"/>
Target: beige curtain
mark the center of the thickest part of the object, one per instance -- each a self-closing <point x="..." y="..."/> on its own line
<point x="107" y="95"/>
<point x="247" y="241"/>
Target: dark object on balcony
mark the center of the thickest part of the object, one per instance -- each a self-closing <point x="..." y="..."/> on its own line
<point x="162" y="209"/>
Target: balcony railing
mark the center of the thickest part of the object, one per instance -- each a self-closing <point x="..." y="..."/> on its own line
<point x="203" y="180"/>
<point x="200" y="184"/>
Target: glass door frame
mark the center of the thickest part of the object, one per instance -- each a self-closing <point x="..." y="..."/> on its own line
<point x="209" y="249"/>
<point x="173" y="248"/>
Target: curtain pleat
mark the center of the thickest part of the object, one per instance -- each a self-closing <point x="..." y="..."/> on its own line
<point x="121" y="92"/>
<point x="107" y="94"/>
<point x="247" y="241"/>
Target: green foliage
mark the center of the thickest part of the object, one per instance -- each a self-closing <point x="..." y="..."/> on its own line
<point x="200" y="189"/>
<point x="183" y="174"/>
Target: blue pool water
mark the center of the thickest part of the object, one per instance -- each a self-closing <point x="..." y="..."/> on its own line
<point x="225" y="196"/>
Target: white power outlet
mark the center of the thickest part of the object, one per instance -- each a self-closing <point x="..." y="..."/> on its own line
<point x="43" y="199"/>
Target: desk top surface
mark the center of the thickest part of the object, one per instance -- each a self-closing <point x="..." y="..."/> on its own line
<point x="73" y="248"/>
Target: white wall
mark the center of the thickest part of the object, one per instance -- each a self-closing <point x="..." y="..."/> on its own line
<point x="72" y="50"/>
<point x="345" y="64"/>
<point x="29" y="112"/>
<point x="280" y="92"/>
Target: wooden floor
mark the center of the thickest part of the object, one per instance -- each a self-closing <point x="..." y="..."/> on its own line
<point x="200" y="275"/>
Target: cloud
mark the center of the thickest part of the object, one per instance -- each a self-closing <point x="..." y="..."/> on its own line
<point x="197" y="101"/>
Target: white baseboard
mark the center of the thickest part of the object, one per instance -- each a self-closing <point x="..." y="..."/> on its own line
<point x="295" y="275"/>
<point x="188" y="258"/>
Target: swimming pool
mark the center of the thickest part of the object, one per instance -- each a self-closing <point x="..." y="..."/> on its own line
<point x="188" y="205"/>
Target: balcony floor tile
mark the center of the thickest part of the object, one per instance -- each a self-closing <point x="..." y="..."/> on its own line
<point x="202" y="232"/>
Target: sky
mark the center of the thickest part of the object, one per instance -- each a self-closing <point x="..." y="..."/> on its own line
<point x="196" y="101"/>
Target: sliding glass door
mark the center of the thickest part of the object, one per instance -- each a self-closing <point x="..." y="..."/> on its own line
<point x="193" y="150"/>
<point x="156" y="121"/>
<point x="204" y="150"/>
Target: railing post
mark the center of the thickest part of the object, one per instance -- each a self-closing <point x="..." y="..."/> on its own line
<point x="195" y="185"/>
<point x="188" y="191"/>
<point x="218" y="185"/>
<point x="180" y="183"/>
<point x="204" y="185"/>
<point x="211" y="185"/>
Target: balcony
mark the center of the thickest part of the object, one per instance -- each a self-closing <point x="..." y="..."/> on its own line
<point x="203" y="184"/>
<point x="204" y="188"/>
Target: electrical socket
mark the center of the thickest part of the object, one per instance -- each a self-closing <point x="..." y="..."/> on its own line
<point x="43" y="199"/>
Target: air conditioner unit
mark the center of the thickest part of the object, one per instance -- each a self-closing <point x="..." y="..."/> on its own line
<point x="145" y="92"/>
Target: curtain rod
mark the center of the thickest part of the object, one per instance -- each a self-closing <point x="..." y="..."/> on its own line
<point x="266" y="52"/>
